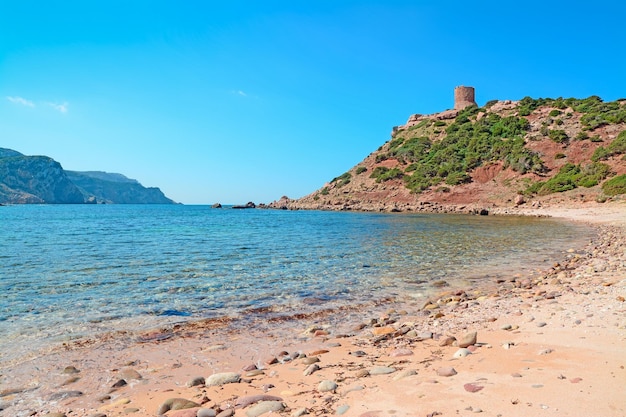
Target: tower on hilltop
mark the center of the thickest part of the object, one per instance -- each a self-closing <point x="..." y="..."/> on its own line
<point x="463" y="97"/>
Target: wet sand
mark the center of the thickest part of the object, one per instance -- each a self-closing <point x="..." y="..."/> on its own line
<point x="550" y="343"/>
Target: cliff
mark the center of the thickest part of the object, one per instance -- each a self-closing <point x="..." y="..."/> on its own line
<point x="42" y="180"/>
<point x="474" y="159"/>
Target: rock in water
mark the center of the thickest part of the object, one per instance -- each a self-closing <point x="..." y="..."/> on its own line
<point x="467" y="340"/>
<point x="222" y="378"/>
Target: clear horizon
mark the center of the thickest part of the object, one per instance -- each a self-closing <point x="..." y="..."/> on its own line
<point x="243" y="101"/>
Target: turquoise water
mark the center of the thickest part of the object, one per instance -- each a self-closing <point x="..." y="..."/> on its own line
<point x="70" y="271"/>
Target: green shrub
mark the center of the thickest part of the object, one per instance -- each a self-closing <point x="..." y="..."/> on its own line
<point x="382" y="174"/>
<point x="555" y="113"/>
<point x="439" y="123"/>
<point x="558" y="136"/>
<point x="324" y="191"/>
<point x="342" y="180"/>
<point x="360" y="170"/>
<point x="596" y="138"/>
<point x="615" y="186"/>
<point x="581" y="136"/>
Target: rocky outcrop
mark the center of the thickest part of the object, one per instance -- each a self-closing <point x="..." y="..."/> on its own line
<point x="42" y="180"/>
<point x="36" y="179"/>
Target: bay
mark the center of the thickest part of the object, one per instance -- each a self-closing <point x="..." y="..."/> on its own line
<point x="72" y="271"/>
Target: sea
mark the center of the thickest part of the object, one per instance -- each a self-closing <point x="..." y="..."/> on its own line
<point x="73" y="271"/>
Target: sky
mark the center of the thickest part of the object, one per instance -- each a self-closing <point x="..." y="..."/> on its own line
<point x="236" y="101"/>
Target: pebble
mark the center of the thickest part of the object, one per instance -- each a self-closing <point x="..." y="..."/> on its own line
<point x="310" y="360"/>
<point x="379" y="331"/>
<point x="326" y="386"/>
<point x="176" y="404"/>
<point x="541" y="324"/>
<point x="256" y="372"/>
<point x="300" y="412"/>
<point x="382" y="370"/>
<point x="222" y="378"/>
<point x="199" y="380"/>
<point x="467" y="339"/>
<point x="506" y="327"/>
<point x="61" y="395"/>
<point x="362" y="373"/>
<point x="342" y="409"/>
<point x="404" y="374"/>
<point x="461" y="353"/>
<point x="358" y="353"/>
<point x="229" y="412"/>
<point x="401" y="352"/>
<point x="545" y="351"/>
<point x="130" y="374"/>
<point x="446" y="371"/>
<point x="473" y="387"/>
<point x="265" y="407"/>
<point x="311" y="369"/>
<point x="447" y="341"/>
<point x="70" y="370"/>
<point x="206" y="412"/>
<point x="120" y="383"/>
<point x="243" y="402"/>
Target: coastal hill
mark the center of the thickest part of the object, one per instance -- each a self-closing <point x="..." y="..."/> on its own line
<point x="474" y="159"/>
<point x="42" y="180"/>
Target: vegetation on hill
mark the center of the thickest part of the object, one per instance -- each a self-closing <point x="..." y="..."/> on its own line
<point x="542" y="146"/>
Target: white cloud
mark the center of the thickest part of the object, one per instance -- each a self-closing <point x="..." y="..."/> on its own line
<point x="239" y="93"/>
<point x="62" y="107"/>
<point x="21" y="100"/>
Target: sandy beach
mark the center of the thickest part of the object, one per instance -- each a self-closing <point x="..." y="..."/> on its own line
<point x="550" y="343"/>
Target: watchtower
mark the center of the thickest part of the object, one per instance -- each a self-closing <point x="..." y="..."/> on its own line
<point x="463" y="97"/>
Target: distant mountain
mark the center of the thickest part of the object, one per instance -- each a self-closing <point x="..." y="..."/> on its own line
<point x="42" y="180"/>
<point x="115" y="188"/>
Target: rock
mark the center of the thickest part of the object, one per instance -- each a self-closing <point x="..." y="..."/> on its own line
<point x="358" y="353"/>
<point x="310" y="360"/>
<point x="216" y="205"/>
<point x="326" y="386"/>
<point x="300" y="412"/>
<point x="120" y="383"/>
<point x="404" y="374"/>
<point x="447" y="341"/>
<point x="382" y="370"/>
<point x="467" y="340"/>
<point x="342" y="409"/>
<point x="61" y="395"/>
<point x="311" y="368"/>
<point x="472" y="387"/>
<point x="130" y="374"/>
<point x="362" y="373"/>
<point x="222" y="378"/>
<point x="176" y="404"/>
<point x="206" y="412"/>
<point x="545" y="351"/>
<point x="541" y="324"/>
<point x="199" y="380"/>
<point x="519" y="200"/>
<point x="55" y="415"/>
<point x="265" y="407"/>
<point x="401" y="352"/>
<point x="229" y="412"/>
<point x="379" y="331"/>
<point x="188" y="412"/>
<point x="461" y="353"/>
<point x="446" y="371"/>
<point x="248" y="368"/>
<point x="70" y="370"/>
<point x="243" y="402"/>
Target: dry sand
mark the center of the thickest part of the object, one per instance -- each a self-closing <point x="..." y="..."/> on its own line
<point x="549" y="344"/>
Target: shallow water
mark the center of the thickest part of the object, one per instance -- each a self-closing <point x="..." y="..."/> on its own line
<point x="72" y="271"/>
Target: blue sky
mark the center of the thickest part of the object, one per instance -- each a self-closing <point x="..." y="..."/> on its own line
<point x="237" y="101"/>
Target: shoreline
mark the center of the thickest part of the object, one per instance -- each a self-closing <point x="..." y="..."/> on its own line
<point x="561" y="321"/>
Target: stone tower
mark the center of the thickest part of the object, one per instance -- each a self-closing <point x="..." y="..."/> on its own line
<point x="463" y="97"/>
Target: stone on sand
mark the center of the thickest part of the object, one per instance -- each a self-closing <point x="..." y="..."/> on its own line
<point x="176" y="404"/>
<point x="467" y="340"/>
<point x="265" y="407"/>
<point x="222" y="378"/>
